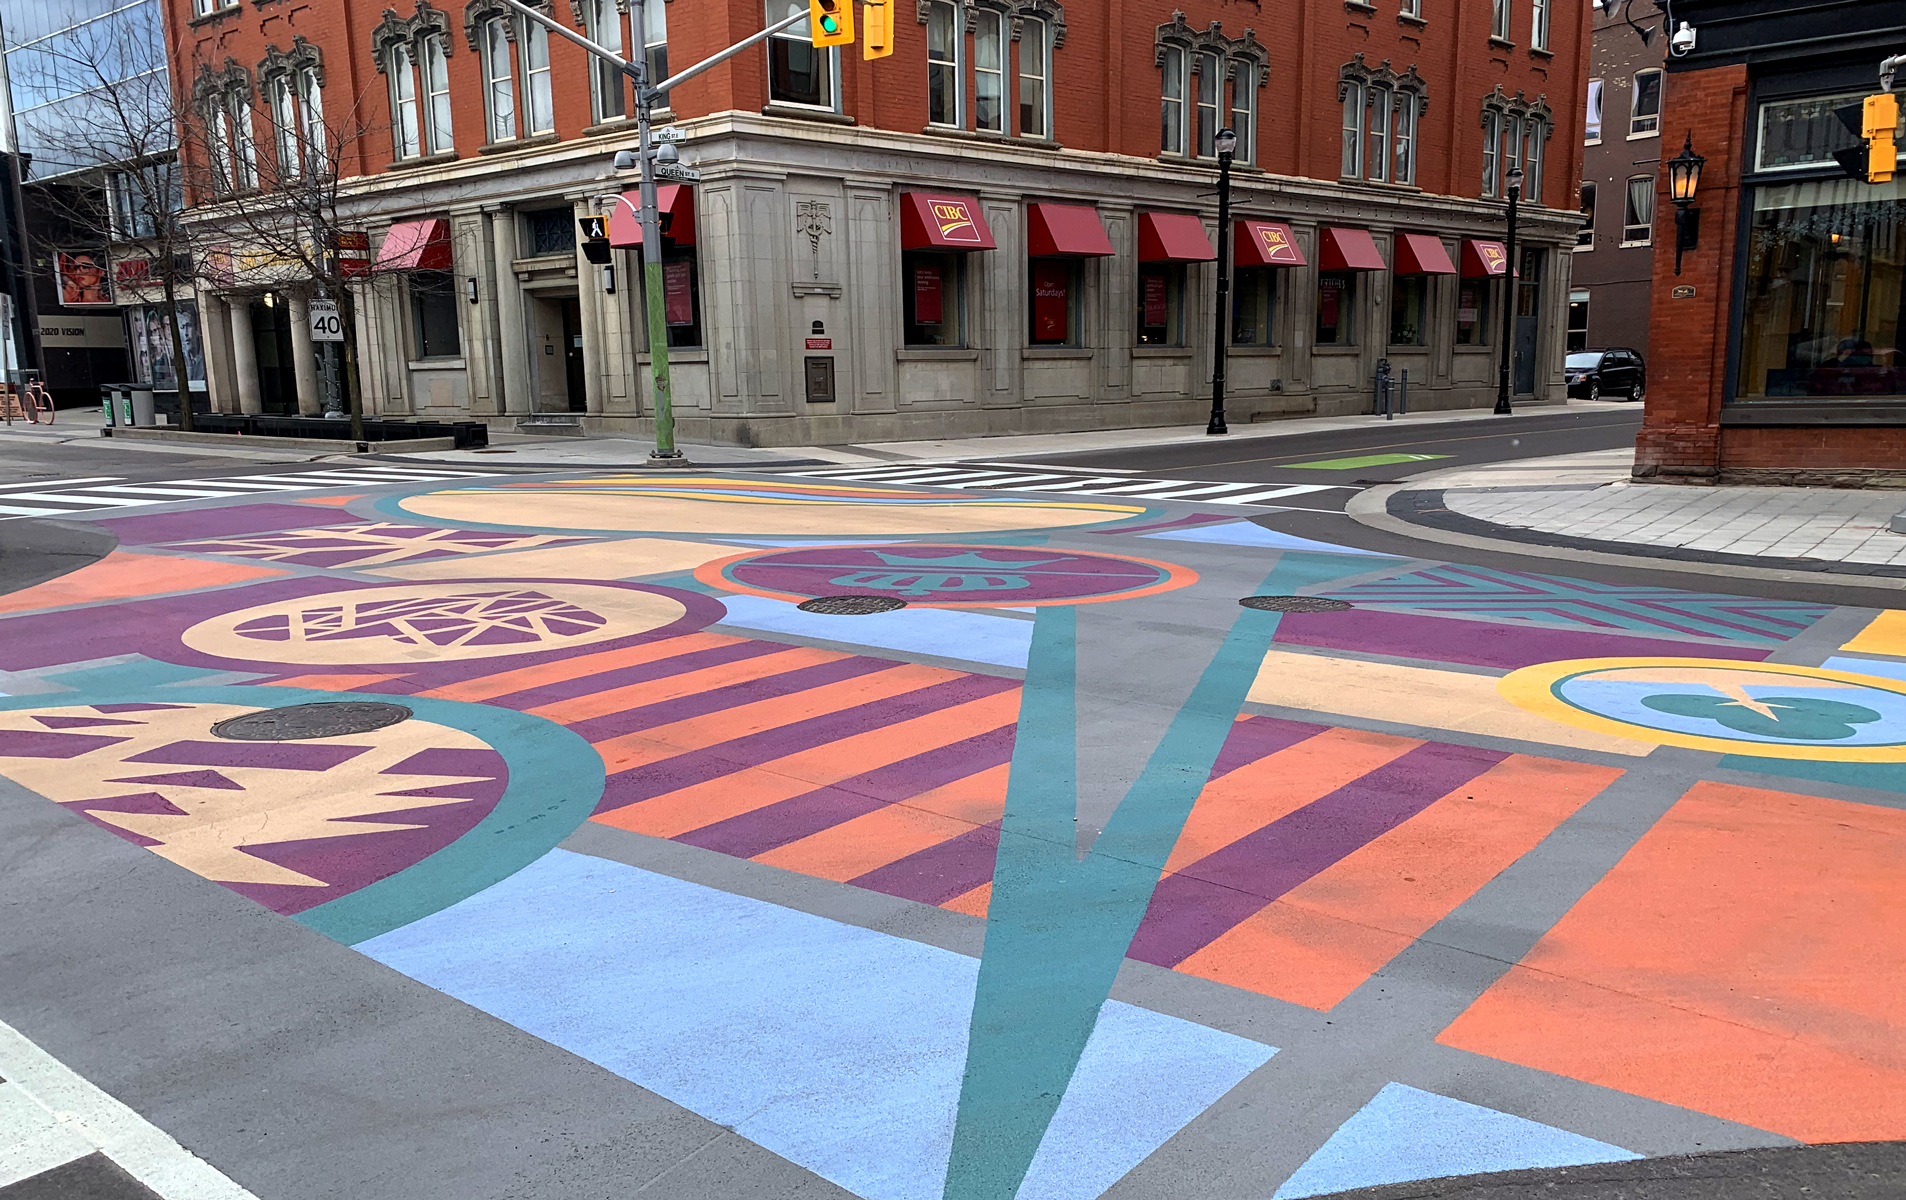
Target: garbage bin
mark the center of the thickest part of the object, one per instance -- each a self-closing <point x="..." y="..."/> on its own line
<point x="108" y="404"/>
<point x="141" y="408"/>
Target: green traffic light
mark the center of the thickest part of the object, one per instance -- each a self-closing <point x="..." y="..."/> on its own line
<point x="830" y="25"/>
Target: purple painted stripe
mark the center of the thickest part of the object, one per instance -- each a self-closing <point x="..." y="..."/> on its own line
<point x="45" y="743"/>
<point x="699" y="766"/>
<point x="279" y="756"/>
<point x="1260" y="737"/>
<point x="1439" y="639"/>
<point x="667" y="712"/>
<point x="661" y="668"/>
<point x="207" y="523"/>
<point x="1192" y="908"/>
<point x="792" y="819"/>
<point x="938" y="873"/>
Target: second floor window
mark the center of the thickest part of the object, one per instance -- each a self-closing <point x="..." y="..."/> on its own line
<point x="1585" y="236"/>
<point x="607" y="94"/>
<point x="1638" y="214"/>
<point x="1513" y="135"/>
<point x="1592" y="125"/>
<point x="296" y="101"/>
<point x="1206" y="82"/>
<point x="1035" y="98"/>
<point x="510" y="44"/>
<point x="1171" y="90"/>
<point x="1379" y="130"/>
<point x="1644" y="116"/>
<point x="231" y="147"/>
<point x="1499" y="19"/>
<point x="1539" y="25"/>
<point x="798" y="73"/>
<point x="1244" y="108"/>
<point x="943" y="65"/>
<point x="284" y="125"/>
<point x="420" y="97"/>
<point x="1012" y="66"/>
<point x="989" y="72"/>
<point x="655" y="43"/>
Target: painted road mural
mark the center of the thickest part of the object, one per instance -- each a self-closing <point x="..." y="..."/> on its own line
<point x="1060" y="872"/>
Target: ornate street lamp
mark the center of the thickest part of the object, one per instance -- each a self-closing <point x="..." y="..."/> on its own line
<point x="1508" y="295"/>
<point x="1684" y="178"/>
<point x="1226" y="144"/>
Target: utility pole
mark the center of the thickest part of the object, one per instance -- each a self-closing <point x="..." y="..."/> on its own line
<point x="1508" y="297"/>
<point x="665" y="453"/>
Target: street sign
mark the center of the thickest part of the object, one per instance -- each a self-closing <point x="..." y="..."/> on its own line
<point x="667" y="133"/>
<point x="325" y="323"/>
<point x="676" y="173"/>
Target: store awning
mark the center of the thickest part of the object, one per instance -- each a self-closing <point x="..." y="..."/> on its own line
<point x="1065" y="231"/>
<point x="1422" y="254"/>
<point x="929" y="221"/>
<point x="1267" y="244"/>
<point x="674" y="208"/>
<point x="1173" y="237"/>
<point x="416" y="246"/>
<point x="1482" y="259"/>
<point x="1348" y="250"/>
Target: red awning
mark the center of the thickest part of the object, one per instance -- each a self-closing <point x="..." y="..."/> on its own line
<point x="1481" y="259"/>
<point x="1267" y="244"/>
<point x="674" y="208"/>
<point x="1065" y="231"/>
<point x="934" y="222"/>
<point x="416" y="246"/>
<point x="1349" y="250"/>
<point x="1173" y="237"/>
<point x="1422" y="254"/>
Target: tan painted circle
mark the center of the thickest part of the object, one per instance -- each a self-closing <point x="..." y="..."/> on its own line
<point x="634" y="511"/>
<point x="431" y="622"/>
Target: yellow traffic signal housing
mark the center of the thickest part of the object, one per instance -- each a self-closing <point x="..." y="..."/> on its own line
<point x="1881" y="119"/>
<point x="877" y="39"/>
<point x="831" y="22"/>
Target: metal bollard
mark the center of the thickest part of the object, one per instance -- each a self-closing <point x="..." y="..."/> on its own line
<point x="1384" y="390"/>
<point x="1403" y="394"/>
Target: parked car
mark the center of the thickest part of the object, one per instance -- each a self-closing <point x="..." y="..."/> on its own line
<point x="1595" y="374"/>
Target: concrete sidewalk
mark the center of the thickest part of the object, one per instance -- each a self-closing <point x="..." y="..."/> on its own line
<point x="1585" y="506"/>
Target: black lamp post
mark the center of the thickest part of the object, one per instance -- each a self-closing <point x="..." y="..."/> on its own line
<point x="1684" y="177"/>
<point x="1508" y="295"/>
<point x="1226" y="144"/>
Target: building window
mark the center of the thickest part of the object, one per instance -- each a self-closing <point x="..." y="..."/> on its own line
<point x="1514" y="130"/>
<point x="1354" y="98"/>
<point x="1035" y="72"/>
<point x="1638" y="218"/>
<point x="1380" y="111"/>
<point x="1195" y="67"/>
<point x="293" y="85"/>
<point x="607" y="93"/>
<point x="989" y="72"/>
<point x="1491" y="142"/>
<point x="1409" y="310"/>
<point x="1499" y="20"/>
<point x="234" y="145"/>
<point x="1592" y="126"/>
<point x="681" y="297"/>
<point x="1410" y="8"/>
<point x="508" y="45"/>
<point x="538" y="91"/>
<point x="1796" y="134"/>
<point x="499" y="79"/>
<point x="1208" y="85"/>
<point x="1171" y="90"/>
<point x="284" y="125"/>
<point x="1244" y="108"/>
<point x="132" y="217"/>
<point x="1578" y="320"/>
<point x="1585" y="236"/>
<point x="943" y="65"/>
<point x="1336" y="297"/>
<point x="406" y="140"/>
<point x="1535" y="132"/>
<point x="1377" y="135"/>
<point x="1253" y="302"/>
<point x="1474" y="298"/>
<point x="310" y="89"/>
<point x="1644" y="119"/>
<point x="1055" y="291"/>
<point x="1539" y="25"/>
<point x="655" y="46"/>
<point x="1161" y="304"/>
<point x="1407" y="107"/>
<point x="433" y="314"/>
<point x="551" y="231"/>
<point x="935" y="298"/>
<point x="798" y="73"/>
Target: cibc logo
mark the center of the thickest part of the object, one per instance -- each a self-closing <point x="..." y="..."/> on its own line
<point x="1277" y="244"/>
<point x="955" y="221"/>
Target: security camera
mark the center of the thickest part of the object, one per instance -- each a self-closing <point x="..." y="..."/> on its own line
<point x="1683" y="40"/>
<point x="627" y="160"/>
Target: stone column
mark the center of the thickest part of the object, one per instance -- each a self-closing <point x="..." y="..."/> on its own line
<point x="215" y="337"/>
<point x="244" y="356"/>
<point x="304" y="358"/>
<point x="509" y="313"/>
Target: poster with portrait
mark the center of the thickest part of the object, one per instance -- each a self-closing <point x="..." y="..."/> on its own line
<point x="84" y="278"/>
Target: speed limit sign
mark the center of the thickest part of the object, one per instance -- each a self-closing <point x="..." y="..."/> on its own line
<point x="325" y="324"/>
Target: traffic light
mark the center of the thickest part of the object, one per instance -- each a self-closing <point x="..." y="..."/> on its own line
<point x="877" y="38"/>
<point x="1873" y="121"/>
<point x="831" y="22"/>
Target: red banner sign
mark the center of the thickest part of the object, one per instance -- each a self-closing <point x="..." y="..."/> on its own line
<point x="678" y="303"/>
<point x="820" y="343"/>
<point x="928" y="302"/>
<point x="1051" y="301"/>
<point x="1154" y="299"/>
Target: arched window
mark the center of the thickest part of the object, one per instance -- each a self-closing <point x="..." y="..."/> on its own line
<point x="1381" y="109"/>
<point x="1515" y="131"/>
<point x="413" y="54"/>
<point x="1207" y="81"/>
<point x="223" y="101"/>
<point x="293" y="83"/>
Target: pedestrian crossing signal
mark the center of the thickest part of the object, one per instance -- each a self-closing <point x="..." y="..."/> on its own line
<point x="877" y="38"/>
<point x="831" y="22"/>
<point x="1874" y="121"/>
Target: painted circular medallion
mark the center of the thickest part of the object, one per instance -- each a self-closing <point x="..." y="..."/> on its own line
<point x="945" y="576"/>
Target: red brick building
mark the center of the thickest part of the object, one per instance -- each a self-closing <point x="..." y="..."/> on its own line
<point x="1776" y="353"/>
<point x="813" y="296"/>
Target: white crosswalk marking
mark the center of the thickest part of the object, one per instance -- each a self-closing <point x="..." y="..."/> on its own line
<point x="75" y="497"/>
<point x="968" y="477"/>
<point x="66" y="482"/>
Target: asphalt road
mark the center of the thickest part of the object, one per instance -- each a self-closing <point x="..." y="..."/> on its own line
<point x="39" y="457"/>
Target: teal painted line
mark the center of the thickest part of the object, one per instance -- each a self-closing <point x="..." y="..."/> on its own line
<point x="1058" y="926"/>
<point x="1881" y="777"/>
<point x="555" y="780"/>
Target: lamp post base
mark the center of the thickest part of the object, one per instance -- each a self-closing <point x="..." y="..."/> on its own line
<point x="1216" y="425"/>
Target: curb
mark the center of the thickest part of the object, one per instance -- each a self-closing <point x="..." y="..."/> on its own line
<point x="1373" y="508"/>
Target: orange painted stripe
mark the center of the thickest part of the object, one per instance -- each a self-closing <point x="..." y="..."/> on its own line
<point x="1324" y="937"/>
<point x="973" y="903"/>
<point x="889" y="834"/>
<point x="646" y="746"/>
<point x="675" y="813"/>
<point x="489" y="687"/>
<point x="1251" y="797"/>
<point x="332" y="501"/>
<point x="126" y="574"/>
<point x="687" y="683"/>
<point x="329" y="683"/>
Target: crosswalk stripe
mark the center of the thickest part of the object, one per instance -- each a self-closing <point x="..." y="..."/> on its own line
<point x="65" y="482"/>
<point x="1204" y="489"/>
<point x="1005" y="481"/>
<point x="177" y="493"/>
<point x="1301" y="489"/>
<point x="1074" y="484"/>
<point x="16" y="511"/>
<point x="81" y="498"/>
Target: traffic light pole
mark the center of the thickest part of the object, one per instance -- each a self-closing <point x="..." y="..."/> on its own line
<point x="654" y="299"/>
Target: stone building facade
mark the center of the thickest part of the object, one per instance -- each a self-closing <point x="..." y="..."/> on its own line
<point x="814" y="296"/>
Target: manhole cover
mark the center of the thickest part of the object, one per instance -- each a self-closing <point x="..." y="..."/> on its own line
<point x="297" y="722"/>
<point x="1295" y="604"/>
<point x="851" y="606"/>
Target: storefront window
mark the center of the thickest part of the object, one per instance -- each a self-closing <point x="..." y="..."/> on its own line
<point x="1409" y="310"/>
<point x="1822" y="313"/>
<point x="681" y="297"/>
<point x="151" y="345"/>
<point x="1336" y="292"/>
<point x="935" y="298"/>
<point x="1056" y="283"/>
<point x="1161" y="304"/>
<point x="433" y="314"/>
<point x="1252" y="297"/>
<point x="1474" y="300"/>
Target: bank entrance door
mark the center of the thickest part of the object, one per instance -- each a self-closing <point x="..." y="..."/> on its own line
<point x="1528" y="319"/>
<point x="572" y="356"/>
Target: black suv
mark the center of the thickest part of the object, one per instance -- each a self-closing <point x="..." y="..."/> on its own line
<point x="1593" y="374"/>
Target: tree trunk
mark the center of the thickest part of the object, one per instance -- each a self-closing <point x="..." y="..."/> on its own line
<point x="353" y="396"/>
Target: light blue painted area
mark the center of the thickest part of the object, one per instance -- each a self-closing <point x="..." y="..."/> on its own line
<point x="1624" y="700"/>
<point x="1881" y="667"/>
<point x="964" y="634"/>
<point x="795" y="544"/>
<point x="1244" y="533"/>
<point x="836" y="1047"/>
<point x="1405" y="1134"/>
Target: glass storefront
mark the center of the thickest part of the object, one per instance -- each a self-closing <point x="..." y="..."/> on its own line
<point x="1822" y="313"/>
